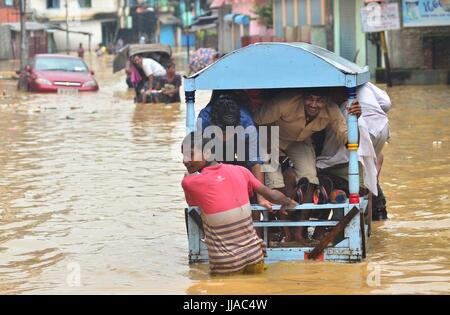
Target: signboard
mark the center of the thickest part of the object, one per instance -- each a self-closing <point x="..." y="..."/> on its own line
<point x="426" y="13"/>
<point x="377" y="17"/>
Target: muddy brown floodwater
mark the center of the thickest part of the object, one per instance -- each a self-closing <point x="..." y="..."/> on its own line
<point x="90" y="200"/>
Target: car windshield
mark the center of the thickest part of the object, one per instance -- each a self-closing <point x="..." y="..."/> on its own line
<point x="60" y="64"/>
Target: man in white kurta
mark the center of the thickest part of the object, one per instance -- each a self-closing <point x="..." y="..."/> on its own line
<point x="374" y="132"/>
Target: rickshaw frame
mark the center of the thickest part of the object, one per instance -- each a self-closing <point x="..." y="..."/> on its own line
<point x="294" y="65"/>
<point x="164" y="52"/>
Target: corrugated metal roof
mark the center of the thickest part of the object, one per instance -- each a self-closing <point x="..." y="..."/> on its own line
<point x="169" y="19"/>
<point x="29" y="26"/>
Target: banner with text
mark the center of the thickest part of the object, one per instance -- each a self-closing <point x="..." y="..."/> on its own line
<point x="380" y="17"/>
<point x="426" y="13"/>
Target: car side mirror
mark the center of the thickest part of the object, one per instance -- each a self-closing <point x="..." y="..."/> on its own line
<point x="92" y="72"/>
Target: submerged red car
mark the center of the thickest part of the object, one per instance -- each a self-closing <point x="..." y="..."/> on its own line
<point x="57" y="73"/>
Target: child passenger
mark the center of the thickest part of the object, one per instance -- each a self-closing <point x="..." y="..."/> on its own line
<point x="169" y="86"/>
<point x="222" y="192"/>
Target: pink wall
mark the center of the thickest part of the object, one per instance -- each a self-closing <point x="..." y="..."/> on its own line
<point x="246" y="7"/>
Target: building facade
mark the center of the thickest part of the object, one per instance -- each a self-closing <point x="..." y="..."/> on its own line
<point x="162" y="21"/>
<point x="350" y="41"/>
<point x="97" y="17"/>
<point x="301" y="20"/>
<point x="337" y="25"/>
<point x="238" y="23"/>
<point x="332" y="24"/>
<point x="426" y="43"/>
<point x="9" y="11"/>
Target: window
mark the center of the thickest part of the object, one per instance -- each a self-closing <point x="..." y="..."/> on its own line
<point x="53" y="4"/>
<point x="85" y="3"/>
<point x="60" y="64"/>
<point x="9" y="3"/>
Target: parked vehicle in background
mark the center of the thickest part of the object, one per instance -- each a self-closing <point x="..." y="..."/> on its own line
<point x="51" y="73"/>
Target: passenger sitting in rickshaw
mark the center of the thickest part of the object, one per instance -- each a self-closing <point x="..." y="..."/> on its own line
<point x="374" y="132"/>
<point x="299" y="113"/>
<point x="228" y="109"/>
<point x="145" y="73"/>
<point x="168" y="87"/>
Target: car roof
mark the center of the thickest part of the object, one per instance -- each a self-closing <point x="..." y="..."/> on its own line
<point x="56" y="56"/>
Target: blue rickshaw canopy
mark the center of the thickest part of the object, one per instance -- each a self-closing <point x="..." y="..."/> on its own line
<point x="278" y="65"/>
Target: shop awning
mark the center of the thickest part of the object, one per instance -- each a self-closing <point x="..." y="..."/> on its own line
<point x="237" y="18"/>
<point x="194" y="28"/>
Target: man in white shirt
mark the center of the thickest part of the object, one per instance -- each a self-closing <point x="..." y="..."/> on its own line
<point x="376" y="103"/>
<point x="152" y="69"/>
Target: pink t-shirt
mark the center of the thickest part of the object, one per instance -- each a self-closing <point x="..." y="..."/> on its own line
<point x="220" y="188"/>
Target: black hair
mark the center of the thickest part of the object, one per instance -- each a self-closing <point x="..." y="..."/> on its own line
<point x="225" y="111"/>
<point x="325" y="92"/>
<point x="338" y="94"/>
<point x="134" y="57"/>
<point x="239" y="96"/>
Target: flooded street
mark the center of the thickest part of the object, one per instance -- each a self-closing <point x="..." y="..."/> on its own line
<point x="91" y="183"/>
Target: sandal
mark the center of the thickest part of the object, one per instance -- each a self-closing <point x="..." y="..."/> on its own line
<point x="301" y="189"/>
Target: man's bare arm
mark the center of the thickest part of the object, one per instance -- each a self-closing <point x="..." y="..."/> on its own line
<point x="256" y="171"/>
<point x="276" y="197"/>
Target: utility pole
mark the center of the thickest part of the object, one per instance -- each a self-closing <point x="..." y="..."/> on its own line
<point x="67" y="28"/>
<point x="120" y="14"/>
<point x="188" y="35"/>
<point x="23" y="35"/>
<point x="387" y="64"/>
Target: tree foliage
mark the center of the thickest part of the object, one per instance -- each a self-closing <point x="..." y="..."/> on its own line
<point x="264" y="14"/>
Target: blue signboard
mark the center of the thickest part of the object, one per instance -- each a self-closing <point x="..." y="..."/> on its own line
<point x="426" y="13"/>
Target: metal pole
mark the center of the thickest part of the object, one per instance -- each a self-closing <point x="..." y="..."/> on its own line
<point x="188" y="6"/>
<point x="119" y="17"/>
<point x="386" y="59"/>
<point x="190" y="111"/>
<point x="23" y="35"/>
<point x="353" y="167"/>
<point x="67" y="28"/>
